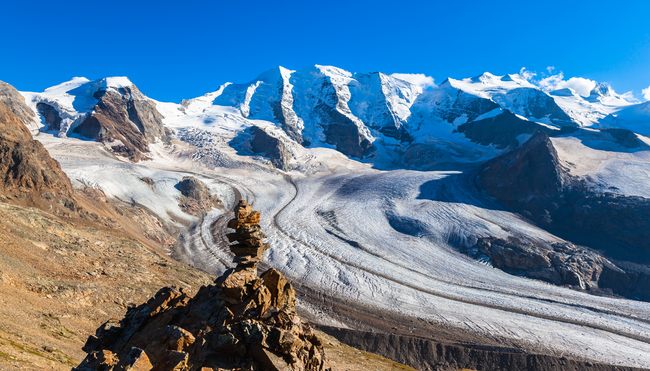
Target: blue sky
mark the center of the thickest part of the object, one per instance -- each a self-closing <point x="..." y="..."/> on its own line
<point x="176" y="50"/>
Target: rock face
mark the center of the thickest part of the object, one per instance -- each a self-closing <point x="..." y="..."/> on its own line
<point x="25" y="165"/>
<point x="125" y="120"/>
<point x="624" y="138"/>
<point x="11" y="98"/>
<point x="560" y="264"/>
<point x="242" y="322"/>
<point x="528" y="174"/>
<point x="532" y="181"/>
<point x="196" y="198"/>
<point x="502" y="130"/>
<point x="270" y="147"/>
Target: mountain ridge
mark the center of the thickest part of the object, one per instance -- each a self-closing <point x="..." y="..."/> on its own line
<point x="361" y="115"/>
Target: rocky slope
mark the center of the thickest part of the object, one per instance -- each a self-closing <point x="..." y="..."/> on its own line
<point x="28" y="175"/>
<point x="25" y="165"/>
<point x="60" y="278"/>
<point x="12" y="98"/>
<point x="432" y="355"/>
<point x="532" y="181"/>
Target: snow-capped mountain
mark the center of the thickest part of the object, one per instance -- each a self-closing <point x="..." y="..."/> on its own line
<point x="367" y="114"/>
<point x="111" y="110"/>
<point x="361" y="115"/>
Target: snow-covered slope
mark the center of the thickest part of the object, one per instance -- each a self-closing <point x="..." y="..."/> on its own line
<point x="377" y="116"/>
<point x="110" y="110"/>
<point x="635" y="118"/>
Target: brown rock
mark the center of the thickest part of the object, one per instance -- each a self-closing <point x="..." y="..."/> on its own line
<point x="197" y="198"/>
<point x="234" y="283"/>
<point x="179" y="339"/>
<point x="98" y="360"/>
<point x="11" y="98"/>
<point x="25" y="165"/>
<point x="246" y="259"/>
<point x="269" y="360"/>
<point x="127" y="117"/>
<point x="135" y="360"/>
<point x="242" y="250"/>
<point x="289" y="342"/>
<point x="245" y="235"/>
<point x="241" y="323"/>
<point x="283" y="295"/>
<point x="173" y="360"/>
<point x="166" y="298"/>
<point x="242" y="210"/>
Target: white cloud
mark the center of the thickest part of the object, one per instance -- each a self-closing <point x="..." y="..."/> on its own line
<point x="417" y="79"/>
<point x="554" y="82"/>
<point x="646" y="93"/>
<point x="550" y="69"/>
<point x="629" y="96"/>
<point x="526" y="74"/>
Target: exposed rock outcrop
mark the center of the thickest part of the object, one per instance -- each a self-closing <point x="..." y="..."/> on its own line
<point x="506" y="130"/>
<point x="25" y="165"/>
<point x="125" y="120"/>
<point x="11" y="98"/>
<point x="242" y="322"/>
<point x="196" y="198"/>
<point x="270" y="147"/>
<point x="528" y="174"/>
<point x="625" y="138"/>
<point x="532" y="181"/>
<point x="560" y="264"/>
<point x="50" y="116"/>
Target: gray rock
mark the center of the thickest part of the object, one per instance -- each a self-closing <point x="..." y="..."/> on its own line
<point x="270" y="147"/>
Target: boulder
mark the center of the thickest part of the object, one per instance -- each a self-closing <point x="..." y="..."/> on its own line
<point x="196" y="197"/>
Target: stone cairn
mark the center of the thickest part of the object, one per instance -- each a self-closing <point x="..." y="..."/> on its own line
<point x="242" y="322"/>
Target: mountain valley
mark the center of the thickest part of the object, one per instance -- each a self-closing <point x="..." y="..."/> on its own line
<point x="484" y="213"/>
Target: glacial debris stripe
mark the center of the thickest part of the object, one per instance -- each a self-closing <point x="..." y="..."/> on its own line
<point x="242" y="322"/>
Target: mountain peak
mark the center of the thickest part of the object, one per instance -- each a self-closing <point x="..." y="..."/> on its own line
<point x="601" y="89"/>
<point x="116" y="82"/>
<point x="485" y="77"/>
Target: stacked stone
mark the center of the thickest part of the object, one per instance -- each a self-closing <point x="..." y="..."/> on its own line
<point x="242" y="322"/>
<point x="249" y="247"/>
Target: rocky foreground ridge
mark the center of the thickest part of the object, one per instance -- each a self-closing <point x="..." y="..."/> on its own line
<point x="242" y="322"/>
